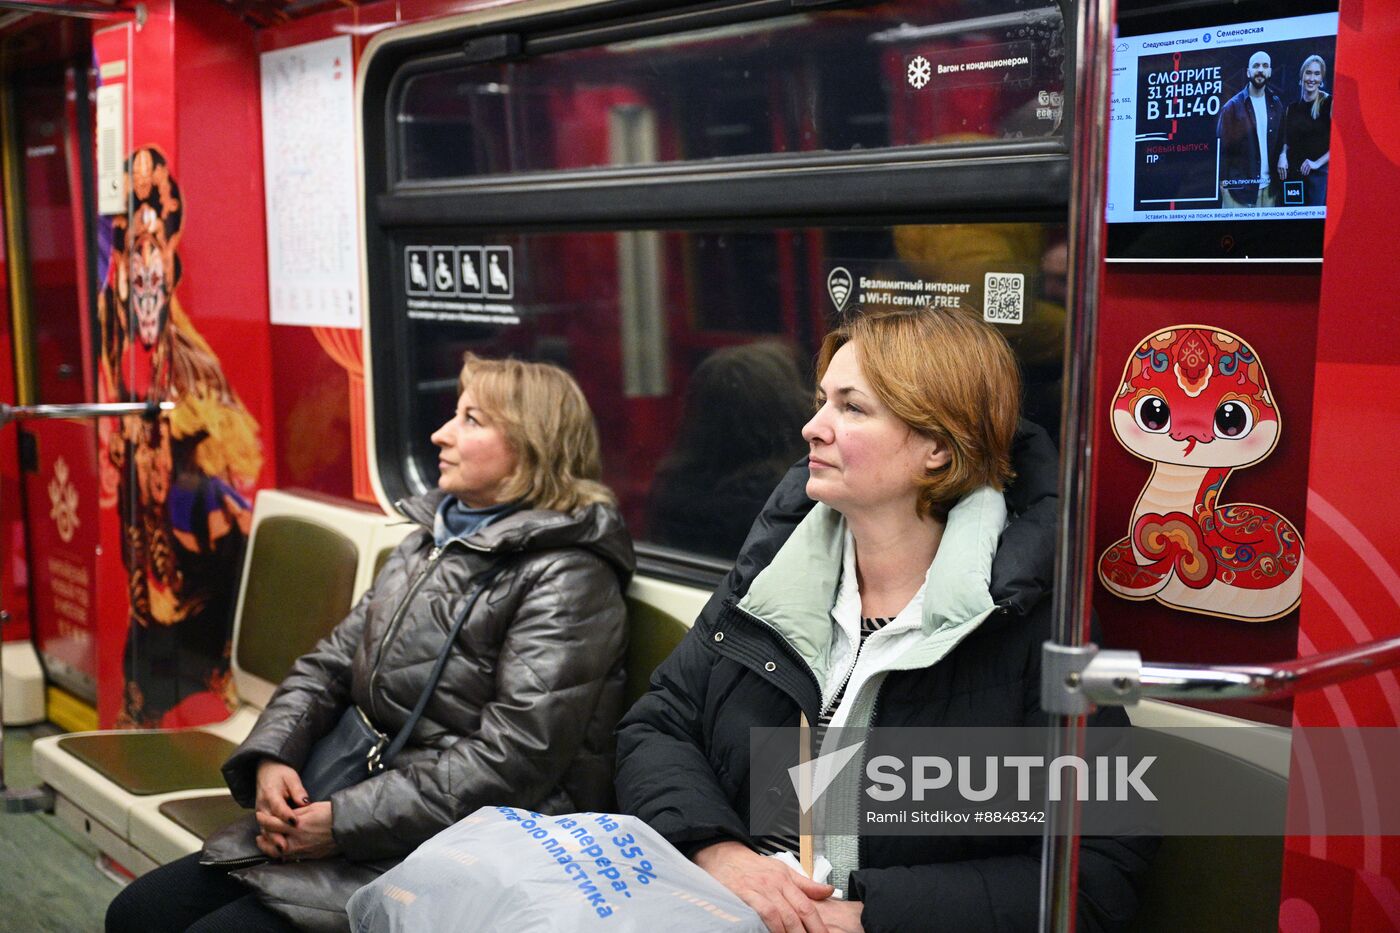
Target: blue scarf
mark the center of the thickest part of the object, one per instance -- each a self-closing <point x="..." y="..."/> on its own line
<point x="456" y="520"/>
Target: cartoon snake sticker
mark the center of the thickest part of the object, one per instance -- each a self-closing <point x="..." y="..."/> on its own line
<point x="1194" y="402"/>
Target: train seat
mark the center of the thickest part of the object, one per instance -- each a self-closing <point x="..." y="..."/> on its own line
<point x="176" y="824"/>
<point x="307" y="560"/>
<point x="1220" y="883"/>
<point x="652" y="634"/>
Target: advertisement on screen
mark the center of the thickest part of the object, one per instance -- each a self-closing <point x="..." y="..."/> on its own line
<point x="1230" y="123"/>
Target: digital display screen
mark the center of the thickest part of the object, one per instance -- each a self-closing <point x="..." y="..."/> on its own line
<point x="1222" y="125"/>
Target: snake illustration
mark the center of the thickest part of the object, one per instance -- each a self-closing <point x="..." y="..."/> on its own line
<point x="1194" y="402"/>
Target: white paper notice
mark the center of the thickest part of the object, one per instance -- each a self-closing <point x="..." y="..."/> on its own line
<point x="313" y="241"/>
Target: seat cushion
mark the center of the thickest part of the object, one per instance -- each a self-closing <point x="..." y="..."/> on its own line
<point x="651" y="636"/>
<point x="202" y="816"/>
<point x="301" y="582"/>
<point x="152" y="762"/>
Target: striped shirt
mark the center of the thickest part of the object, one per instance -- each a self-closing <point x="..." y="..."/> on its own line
<point x="787" y="840"/>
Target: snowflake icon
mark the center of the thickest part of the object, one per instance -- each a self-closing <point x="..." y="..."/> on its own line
<point x="919" y="72"/>
<point x="63" y="496"/>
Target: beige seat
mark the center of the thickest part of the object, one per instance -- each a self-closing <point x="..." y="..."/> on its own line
<point x="132" y="792"/>
<point x="1216" y="883"/>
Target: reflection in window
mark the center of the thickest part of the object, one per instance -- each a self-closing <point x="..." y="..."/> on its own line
<point x="739" y="431"/>
<point x="695" y="348"/>
<point x="894" y="75"/>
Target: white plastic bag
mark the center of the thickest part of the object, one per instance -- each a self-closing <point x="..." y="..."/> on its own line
<point x="503" y="869"/>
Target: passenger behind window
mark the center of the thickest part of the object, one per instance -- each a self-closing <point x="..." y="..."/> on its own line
<point x="522" y="714"/>
<point x="740" y="430"/>
<point x="842" y="610"/>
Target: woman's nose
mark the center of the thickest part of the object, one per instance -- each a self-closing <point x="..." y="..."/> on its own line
<point x="815" y="429"/>
<point x="440" y="436"/>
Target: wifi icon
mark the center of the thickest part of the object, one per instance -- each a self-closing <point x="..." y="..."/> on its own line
<point x="838" y="286"/>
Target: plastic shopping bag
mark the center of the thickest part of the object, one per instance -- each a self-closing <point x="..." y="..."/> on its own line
<point x="503" y="869"/>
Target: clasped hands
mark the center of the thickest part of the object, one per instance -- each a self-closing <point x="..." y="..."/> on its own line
<point x="785" y="900"/>
<point x="291" y="827"/>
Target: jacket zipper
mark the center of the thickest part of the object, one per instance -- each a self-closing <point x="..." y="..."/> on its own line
<point x="864" y="759"/>
<point x="399" y="613"/>
<point x="845" y="681"/>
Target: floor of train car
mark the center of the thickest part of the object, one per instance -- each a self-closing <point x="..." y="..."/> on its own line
<point x="49" y="879"/>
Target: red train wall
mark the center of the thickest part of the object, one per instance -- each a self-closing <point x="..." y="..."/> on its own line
<point x="318" y="433"/>
<point x="14" y="571"/>
<point x="1352" y="588"/>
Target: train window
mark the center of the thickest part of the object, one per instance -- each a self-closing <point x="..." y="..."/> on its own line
<point x="894" y="75"/>
<point x="695" y="346"/>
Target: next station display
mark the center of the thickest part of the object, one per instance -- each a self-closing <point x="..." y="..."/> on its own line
<point x="1222" y="127"/>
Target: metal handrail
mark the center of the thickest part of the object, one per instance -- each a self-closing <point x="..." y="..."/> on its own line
<point x="1245" y="681"/>
<point x="10" y="413"/>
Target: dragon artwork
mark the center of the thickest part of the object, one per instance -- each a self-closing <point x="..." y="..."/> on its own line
<point x="1194" y="402"/>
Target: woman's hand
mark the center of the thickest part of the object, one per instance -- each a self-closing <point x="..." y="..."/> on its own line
<point x="311" y="838"/>
<point x="279" y="792"/>
<point x="785" y="900"/>
<point x="1283" y="164"/>
<point x="841" y="916"/>
<point x="1307" y="166"/>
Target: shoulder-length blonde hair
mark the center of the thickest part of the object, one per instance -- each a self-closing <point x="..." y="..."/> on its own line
<point x="948" y="376"/>
<point x="548" y="425"/>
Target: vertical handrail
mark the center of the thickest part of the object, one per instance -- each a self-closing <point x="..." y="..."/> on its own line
<point x="1092" y="64"/>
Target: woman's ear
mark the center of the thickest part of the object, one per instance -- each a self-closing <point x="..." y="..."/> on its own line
<point x="938" y="456"/>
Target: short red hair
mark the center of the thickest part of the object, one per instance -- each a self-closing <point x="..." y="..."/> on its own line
<point x="949" y="376"/>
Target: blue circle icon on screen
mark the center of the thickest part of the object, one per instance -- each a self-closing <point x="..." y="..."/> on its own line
<point x="1205" y="38"/>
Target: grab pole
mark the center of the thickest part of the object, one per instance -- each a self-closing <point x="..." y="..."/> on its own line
<point x="1090" y="93"/>
<point x="28" y="801"/>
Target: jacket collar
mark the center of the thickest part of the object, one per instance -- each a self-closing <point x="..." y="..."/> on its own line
<point x="1023" y="570"/>
<point x="597" y="528"/>
<point x="794" y="594"/>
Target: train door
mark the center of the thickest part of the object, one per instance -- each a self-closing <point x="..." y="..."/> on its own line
<point x="50" y="193"/>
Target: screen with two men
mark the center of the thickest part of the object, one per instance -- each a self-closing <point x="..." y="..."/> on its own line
<point x="1222" y="124"/>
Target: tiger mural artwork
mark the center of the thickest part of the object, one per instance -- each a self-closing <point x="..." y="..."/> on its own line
<point x="179" y="482"/>
<point x="1194" y="402"/>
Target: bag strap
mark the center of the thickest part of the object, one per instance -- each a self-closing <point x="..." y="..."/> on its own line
<point x="400" y="740"/>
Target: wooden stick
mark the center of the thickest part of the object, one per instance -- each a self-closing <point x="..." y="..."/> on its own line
<point x="804" y="820"/>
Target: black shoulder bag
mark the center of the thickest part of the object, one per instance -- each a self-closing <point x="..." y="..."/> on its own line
<point x="354" y="750"/>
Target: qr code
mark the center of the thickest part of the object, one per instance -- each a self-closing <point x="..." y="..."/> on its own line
<point x="1004" y="299"/>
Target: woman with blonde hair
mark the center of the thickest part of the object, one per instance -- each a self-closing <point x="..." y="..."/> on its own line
<point x="912" y="593"/>
<point x="521" y="555"/>
<point x="1307" y="133"/>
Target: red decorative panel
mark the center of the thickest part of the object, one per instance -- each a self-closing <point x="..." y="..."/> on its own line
<point x="1351" y="590"/>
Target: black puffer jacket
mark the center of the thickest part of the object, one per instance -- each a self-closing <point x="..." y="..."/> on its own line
<point x="523" y="714"/>
<point x="683" y="749"/>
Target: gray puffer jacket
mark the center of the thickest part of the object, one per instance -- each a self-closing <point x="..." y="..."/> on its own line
<point x="523" y="715"/>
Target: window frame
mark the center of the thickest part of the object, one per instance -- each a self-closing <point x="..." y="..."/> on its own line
<point x="984" y="182"/>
